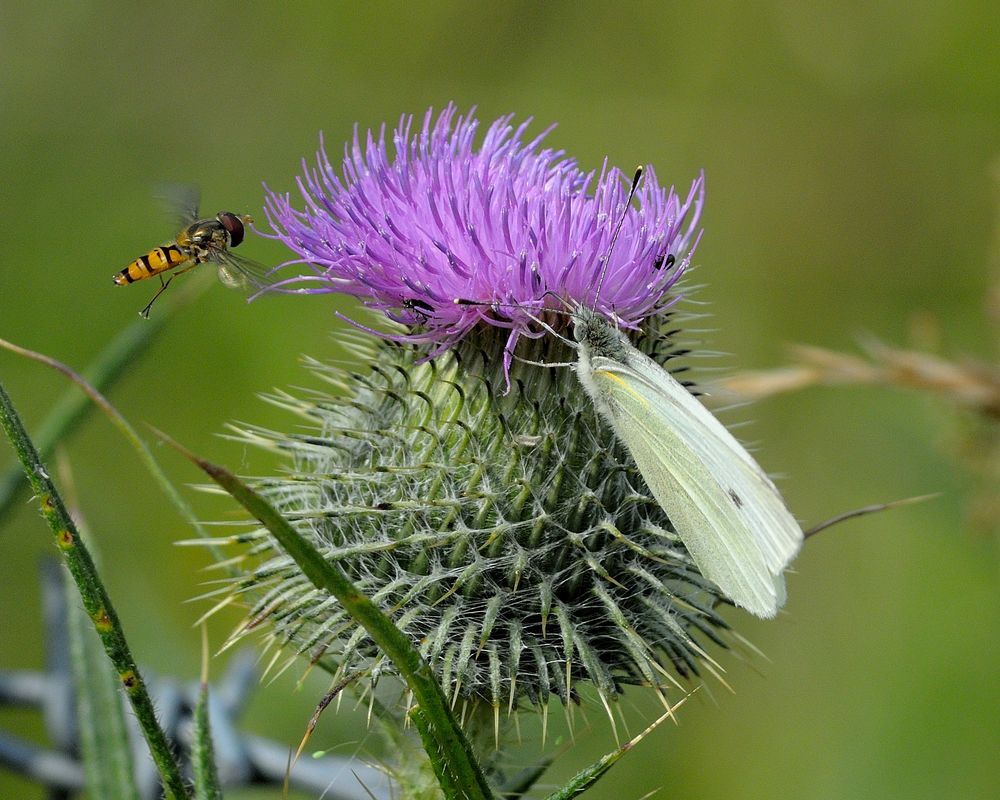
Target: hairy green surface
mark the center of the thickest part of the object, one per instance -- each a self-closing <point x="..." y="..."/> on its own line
<point x="505" y="530"/>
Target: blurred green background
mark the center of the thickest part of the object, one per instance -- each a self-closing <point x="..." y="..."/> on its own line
<point x="849" y="153"/>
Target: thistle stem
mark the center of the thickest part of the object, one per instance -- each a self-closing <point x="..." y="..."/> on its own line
<point x="95" y="599"/>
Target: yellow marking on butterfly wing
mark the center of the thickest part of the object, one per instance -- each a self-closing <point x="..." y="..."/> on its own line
<point x="625" y="387"/>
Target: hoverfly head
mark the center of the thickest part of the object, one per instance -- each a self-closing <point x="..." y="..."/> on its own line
<point x="235" y="225"/>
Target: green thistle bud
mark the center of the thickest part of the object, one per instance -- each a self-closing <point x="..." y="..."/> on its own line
<point x="506" y="531"/>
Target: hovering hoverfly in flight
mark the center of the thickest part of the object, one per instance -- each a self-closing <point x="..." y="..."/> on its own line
<point x="199" y="241"/>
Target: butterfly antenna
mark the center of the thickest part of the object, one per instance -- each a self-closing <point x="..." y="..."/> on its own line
<point x="618" y="230"/>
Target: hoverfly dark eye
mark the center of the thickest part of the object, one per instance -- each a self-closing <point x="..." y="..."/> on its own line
<point x="234" y="225"/>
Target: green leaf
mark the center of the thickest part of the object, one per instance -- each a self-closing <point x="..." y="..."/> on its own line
<point x="449" y="787"/>
<point x="104" y="745"/>
<point x="445" y="742"/>
<point x="586" y="778"/>
<point x="206" y="777"/>
<point x="96" y="602"/>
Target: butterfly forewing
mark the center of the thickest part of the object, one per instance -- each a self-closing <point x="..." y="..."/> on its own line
<point x="726" y="511"/>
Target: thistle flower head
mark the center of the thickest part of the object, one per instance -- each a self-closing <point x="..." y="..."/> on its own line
<point x="479" y="499"/>
<point x="509" y="226"/>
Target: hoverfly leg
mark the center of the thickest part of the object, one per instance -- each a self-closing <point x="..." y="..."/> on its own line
<point x="163" y="287"/>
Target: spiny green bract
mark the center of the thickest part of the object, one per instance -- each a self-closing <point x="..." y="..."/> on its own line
<point x="506" y="531"/>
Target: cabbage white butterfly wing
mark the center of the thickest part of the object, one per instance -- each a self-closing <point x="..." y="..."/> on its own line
<point x="724" y="508"/>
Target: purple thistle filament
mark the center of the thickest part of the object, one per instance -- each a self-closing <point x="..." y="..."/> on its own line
<point x="510" y="227"/>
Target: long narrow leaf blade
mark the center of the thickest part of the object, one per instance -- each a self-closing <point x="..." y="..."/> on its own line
<point x="96" y="601"/>
<point x="586" y="778"/>
<point x="439" y="763"/>
<point x="104" y="743"/>
<point x="206" y="777"/>
<point x="206" y="774"/>
<point x="437" y="719"/>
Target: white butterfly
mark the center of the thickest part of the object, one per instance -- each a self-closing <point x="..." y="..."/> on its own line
<point x="727" y="512"/>
<point x="724" y="508"/>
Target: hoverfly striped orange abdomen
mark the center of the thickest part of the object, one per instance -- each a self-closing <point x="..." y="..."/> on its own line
<point x="157" y="260"/>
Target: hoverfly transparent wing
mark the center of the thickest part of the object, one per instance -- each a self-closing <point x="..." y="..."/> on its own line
<point x="231" y="278"/>
<point x="180" y="201"/>
<point x="237" y="272"/>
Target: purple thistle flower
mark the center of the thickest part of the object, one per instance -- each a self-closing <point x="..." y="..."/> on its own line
<point x="510" y="227"/>
<point x="513" y="539"/>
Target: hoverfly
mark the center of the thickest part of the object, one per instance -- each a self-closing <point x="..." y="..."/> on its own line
<point x="199" y="241"/>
